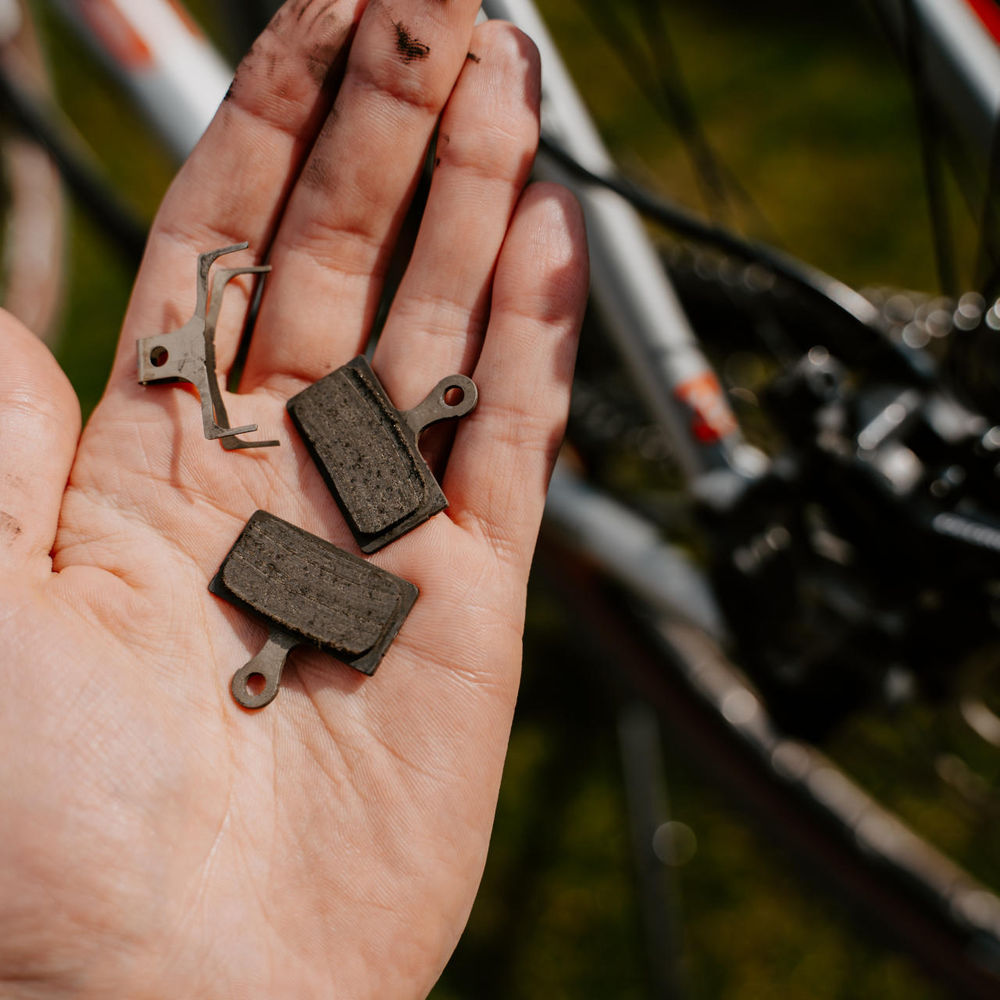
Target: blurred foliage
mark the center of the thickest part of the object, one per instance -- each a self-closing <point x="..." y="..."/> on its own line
<point x="808" y="108"/>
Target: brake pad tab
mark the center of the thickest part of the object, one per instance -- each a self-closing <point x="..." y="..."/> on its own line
<point x="367" y="450"/>
<point x="310" y="593"/>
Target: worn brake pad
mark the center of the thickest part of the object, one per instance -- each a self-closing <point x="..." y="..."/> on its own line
<point x="367" y="450"/>
<point x="312" y="593"/>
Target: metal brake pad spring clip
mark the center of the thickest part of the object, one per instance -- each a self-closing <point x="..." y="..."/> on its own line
<point x="188" y="354"/>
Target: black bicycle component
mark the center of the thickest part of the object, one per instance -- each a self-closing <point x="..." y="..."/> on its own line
<point x="863" y="562"/>
<point x="367" y="450"/>
<point x="860" y="568"/>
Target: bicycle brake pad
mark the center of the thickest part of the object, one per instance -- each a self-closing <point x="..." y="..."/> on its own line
<point x="188" y="354"/>
<point x="311" y="593"/>
<point x="367" y="450"/>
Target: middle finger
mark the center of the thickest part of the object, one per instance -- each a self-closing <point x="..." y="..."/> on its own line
<point x="342" y="220"/>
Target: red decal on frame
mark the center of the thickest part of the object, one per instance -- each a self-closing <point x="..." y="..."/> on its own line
<point x="117" y="36"/>
<point x="711" y="419"/>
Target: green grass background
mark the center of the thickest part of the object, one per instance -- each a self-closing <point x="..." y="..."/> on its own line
<point x="810" y="111"/>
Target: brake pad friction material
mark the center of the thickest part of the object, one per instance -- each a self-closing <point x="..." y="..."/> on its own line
<point x="367" y="450"/>
<point x="188" y="354"/>
<point x="311" y="593"/>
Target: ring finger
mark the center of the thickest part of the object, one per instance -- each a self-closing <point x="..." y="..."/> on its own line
<point x="486" y="146"/>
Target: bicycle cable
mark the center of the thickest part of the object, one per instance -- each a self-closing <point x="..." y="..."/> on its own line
<point x="822" y="287"/>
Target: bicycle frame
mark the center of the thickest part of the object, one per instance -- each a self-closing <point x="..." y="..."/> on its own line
<point x="162" y="57"/>
<point x="645" y="318"/>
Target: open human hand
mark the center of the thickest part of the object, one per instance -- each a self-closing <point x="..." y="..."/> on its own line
<point x="156" y="840"/>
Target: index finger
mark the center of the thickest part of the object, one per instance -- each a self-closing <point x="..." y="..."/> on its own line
<point x="235" y="183"/>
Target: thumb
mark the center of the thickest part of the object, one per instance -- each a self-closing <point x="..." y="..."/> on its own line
<point x="39" y="430"/>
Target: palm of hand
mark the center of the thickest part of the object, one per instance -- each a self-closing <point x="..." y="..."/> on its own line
<point x="156" y="839"/>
